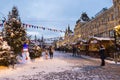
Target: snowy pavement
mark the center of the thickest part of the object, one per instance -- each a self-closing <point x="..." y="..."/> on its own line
<point x="62" y="67"/>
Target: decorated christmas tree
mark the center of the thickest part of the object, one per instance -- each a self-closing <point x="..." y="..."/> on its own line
<point x="15" y="33"/>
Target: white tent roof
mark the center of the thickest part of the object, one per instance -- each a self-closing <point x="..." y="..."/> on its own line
<point x="103" y="38"/>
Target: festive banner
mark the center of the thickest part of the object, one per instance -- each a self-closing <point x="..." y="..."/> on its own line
<point x="37" y="27"/>
<point x="43" y="28"/>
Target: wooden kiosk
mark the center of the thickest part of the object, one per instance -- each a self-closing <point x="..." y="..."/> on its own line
<point x="94" y="45"/>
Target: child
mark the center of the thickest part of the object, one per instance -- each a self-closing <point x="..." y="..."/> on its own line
<point x="46" y="54"/>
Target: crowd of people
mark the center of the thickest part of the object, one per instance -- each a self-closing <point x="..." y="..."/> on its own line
<point x="49" y="51"/>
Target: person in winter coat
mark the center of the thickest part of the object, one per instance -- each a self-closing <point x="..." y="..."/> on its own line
<point x="74" y="49"/>
<point x="102" y="55"/>
<point x="51" y="51"/>
<point x="46" y="54"/>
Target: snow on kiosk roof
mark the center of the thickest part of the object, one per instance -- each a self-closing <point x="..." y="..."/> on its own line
<point x="102" y="38"/>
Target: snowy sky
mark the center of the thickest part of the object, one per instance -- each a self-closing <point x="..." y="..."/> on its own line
<point x="55" y="14"/>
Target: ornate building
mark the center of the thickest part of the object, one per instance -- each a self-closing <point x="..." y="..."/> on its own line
<point x="102" y="25"/>
<point x="68" y="38"/>
<point x="77" y="30"/>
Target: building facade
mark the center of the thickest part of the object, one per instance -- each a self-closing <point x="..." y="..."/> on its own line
<point x="102" y="25"/>
<point x="68" y="38"/>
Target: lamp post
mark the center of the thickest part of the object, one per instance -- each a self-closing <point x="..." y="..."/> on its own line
<point x="115" y="39"/>
<point x="115" y="43"/>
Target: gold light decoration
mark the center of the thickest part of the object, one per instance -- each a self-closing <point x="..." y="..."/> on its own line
<point x="12" y="34"/>
<point x="117" y="29"/>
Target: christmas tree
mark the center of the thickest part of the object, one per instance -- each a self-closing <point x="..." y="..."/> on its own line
<point x="15" y="33"/>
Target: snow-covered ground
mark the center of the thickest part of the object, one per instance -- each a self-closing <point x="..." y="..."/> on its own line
<point x="38" y="65"/>
<point x="60" y="63"/>
<point x="108" y="61"/>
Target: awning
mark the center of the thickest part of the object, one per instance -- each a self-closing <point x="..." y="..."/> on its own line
<point x="102" y="38"/>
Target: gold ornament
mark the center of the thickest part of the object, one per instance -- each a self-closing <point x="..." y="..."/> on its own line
<point x="12" y="34"/>
<point x="17" y="45"/>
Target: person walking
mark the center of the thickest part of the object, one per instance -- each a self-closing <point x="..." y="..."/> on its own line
<point x="46" y="54"/>
<point x="102" y="55"/>
<point x="74" y="49"/>
<point x="51" y="52"/>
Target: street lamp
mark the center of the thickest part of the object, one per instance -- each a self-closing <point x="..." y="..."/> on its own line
<point x="116" y="34"/>
<point x="115" y="39"/>
<point x="115" y="42"/>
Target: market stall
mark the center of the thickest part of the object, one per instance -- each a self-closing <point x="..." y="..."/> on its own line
<point x="94" y="45"/>
<point x="83" y="47"/>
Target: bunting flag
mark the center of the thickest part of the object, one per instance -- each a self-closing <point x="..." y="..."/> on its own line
<point x="41" y="27"/>
<point x="37" y="27"/>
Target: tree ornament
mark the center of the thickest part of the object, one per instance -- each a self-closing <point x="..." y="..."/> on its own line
<point x="8" y="30"/>
<point x="17" y="45"/>
<point x="12" y="34"/>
